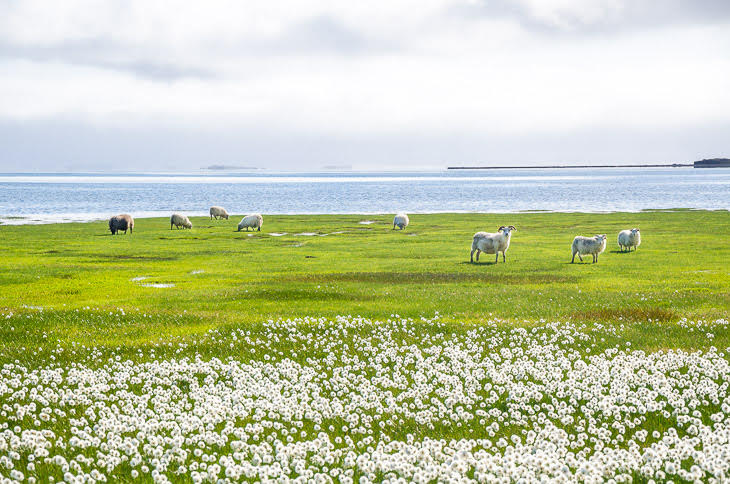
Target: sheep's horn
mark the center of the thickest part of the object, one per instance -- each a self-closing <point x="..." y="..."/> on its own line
<point x="501" y="228"/>
<point x="512" y="227"/>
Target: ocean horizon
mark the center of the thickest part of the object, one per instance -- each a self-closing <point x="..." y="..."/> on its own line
<point x="33" y="198"/>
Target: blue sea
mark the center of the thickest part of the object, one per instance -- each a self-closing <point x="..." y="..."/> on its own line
<point x="65" y="197"/>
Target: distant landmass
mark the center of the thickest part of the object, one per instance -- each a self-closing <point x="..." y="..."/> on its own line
<point x="229" y="167"/>
<point x="514" y="167"/>
<point x="712" y="163"/>
<point x="337" y="167"/>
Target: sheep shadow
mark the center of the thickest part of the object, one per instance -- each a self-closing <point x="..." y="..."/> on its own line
<point x="618" y="251"/>
<point x="479" y="263"/>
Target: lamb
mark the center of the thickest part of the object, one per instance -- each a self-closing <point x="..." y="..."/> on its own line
<point x="629" y="238"/>
<point x="588" y="245"/>
<point x="492" y="243"/>
<point x="401" y="221"/>
<point x="217" y="212"/>
<point x="179" y="220"/>
<point x="121" y="222"/>
<point x="254" y="221"/>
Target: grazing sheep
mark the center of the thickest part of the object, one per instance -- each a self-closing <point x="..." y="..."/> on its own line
<point x="254" y="221"/>
<point x="179" y="220"/>
<point x="121" y="222"/>
<point x="492" y="243"/>
<point x="629" y="238"/>
<point x="400" y="221"/>
<point x="218" y="212"/>
<point x="588" y="245"/>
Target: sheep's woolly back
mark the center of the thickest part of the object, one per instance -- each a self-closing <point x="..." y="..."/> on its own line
<point x="401" y="220"/>
<point x="255" y="220"/>
<point x="588" y="245"/>
<point x="629" y="238"/>
<point x="216" y="211"/>
<point x="179" y="220"/>
<point x="122" y="221"/>
<point x="491" y="242"/>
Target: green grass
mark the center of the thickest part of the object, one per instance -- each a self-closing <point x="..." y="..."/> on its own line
<point x="71" y="294"/>
<point x="680" y="270"/>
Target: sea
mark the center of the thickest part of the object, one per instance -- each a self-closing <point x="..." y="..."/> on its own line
<point x="34" y="198"/>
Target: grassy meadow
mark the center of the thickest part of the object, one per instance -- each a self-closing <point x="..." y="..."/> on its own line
<point x="218" y="276"/>
<point x="332" y="348"/>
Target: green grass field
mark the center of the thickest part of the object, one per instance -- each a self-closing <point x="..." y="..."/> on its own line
<point x="223" y="277"/>
<point x="162" y="345"/>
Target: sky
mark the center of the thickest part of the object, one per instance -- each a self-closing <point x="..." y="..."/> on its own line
<point x="152" y="85"/>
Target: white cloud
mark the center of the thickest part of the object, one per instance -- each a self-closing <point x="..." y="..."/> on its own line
<point x="340" y="69"/>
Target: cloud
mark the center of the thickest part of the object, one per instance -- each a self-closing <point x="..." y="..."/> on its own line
<point x="600" y="16"/>
<point x="318" y="72"/>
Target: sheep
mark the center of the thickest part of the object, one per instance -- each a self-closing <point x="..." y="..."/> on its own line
<point x="588" y="245"/>
<point x="121" y="222"/>
<point x="179" y="220"/>
<point x="254" y="221"/>
<point x="400" y="221"/>
<point x="492" y="243"/>
<point x="218" y="212"/>
<point x="629" y="238"/>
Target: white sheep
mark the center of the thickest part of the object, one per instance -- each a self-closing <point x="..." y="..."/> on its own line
<point x="400" y="221"/>
<point x="588" y="245"/>
<point x="218" y="212"/>
<point x="492" y="243"/>
<point x="254" y="221"/>
<point x="629" y="238"/>
<point x="179" y="220"/>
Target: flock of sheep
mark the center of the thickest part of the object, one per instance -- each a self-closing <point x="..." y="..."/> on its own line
<point x="489" y="243"/>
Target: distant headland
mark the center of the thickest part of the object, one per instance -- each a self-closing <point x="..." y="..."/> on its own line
<point x="712" y="163"/>
<point x="229" y="167"/>
<point x="709" y="163"/>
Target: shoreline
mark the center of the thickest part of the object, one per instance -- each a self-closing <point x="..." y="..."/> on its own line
<point x="53" y="219"/>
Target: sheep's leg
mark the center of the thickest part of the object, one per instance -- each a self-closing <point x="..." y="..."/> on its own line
<point x="579" y="256"/>
<point x="259" y="229"/>
<point x="504" y="257"/>
<point x="479" y="251"/>
<point x="471" y="256"/>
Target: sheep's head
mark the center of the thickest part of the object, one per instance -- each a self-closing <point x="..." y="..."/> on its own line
<point x="634" y="231"/>
<point x="506" y="229"/>
<point x="188" y="225"/>
<point x="601" y="237"/>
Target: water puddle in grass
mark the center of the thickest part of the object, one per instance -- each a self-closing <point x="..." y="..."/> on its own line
<point x="367" y="222"/>
<point x="157" y="284"/>
<point x="308" y="234"/>
<point x="277" y="234"/>
<point x="139" y="278"/>
<point x="200" y="271"/>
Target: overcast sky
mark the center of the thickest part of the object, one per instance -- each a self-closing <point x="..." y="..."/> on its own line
<point x="302" y="84"/>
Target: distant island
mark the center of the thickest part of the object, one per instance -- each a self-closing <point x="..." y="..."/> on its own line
<point x="713" y="163"/>
<point x="672" y="165"/>
<point x="230" y="167"/>
<point x="337" y="167"/>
